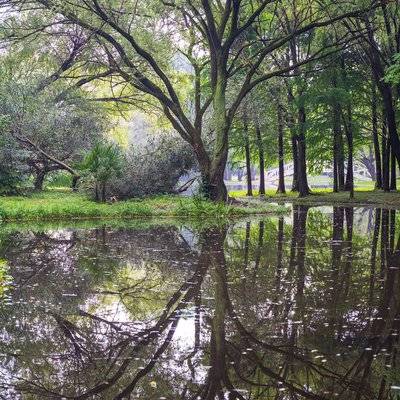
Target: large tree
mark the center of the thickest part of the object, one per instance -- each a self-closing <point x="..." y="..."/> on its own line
<point x="152" y="47"/>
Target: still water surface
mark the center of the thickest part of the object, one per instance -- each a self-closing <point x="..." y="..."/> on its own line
<point x="303" y="306"/>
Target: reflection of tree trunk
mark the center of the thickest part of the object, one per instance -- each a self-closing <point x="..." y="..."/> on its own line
<point x="385" y="321"/>
<point x="279" y="255"/>
<point x="301" y="255"/>
<point x="349" y="213"/>
<point x="384" y="240"/>
<point x="374" y="246"/>
<point x="336" y="248"/>
<point x="218" y="378"/>
<point x="259" y="249"/>
<point x="217" y="343"/>
<point x="392" y="229"/>
<point x="292" y="263"/>
<point x="246" y="256"/>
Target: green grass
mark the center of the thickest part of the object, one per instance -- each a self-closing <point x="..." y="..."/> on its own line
<point x="63" y="204"/>
<point x="362" y="196"/>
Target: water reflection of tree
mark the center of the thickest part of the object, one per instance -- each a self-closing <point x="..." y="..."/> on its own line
<point x="280" y="311"/>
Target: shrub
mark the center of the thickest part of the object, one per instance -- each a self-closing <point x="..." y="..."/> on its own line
<point x="153" y="169"/>
<point x="13" y="170"/>
<point x="102" y="164"/>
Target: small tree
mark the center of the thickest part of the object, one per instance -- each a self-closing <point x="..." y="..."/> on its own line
<point x="103" y="163"/>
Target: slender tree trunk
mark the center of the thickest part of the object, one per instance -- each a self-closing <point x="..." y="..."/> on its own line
<point x="295" y="181"/>
<point x="341" y="168"/>
<point x="393" y="183"/>
<point x="377" y="151"/>
<point x="96" y="192"/>
<point x="261" y="160"/>
<point x="350" y="166"/>
<point x="103" y="191"/>
<point x="337" y="143"/>
<point x="75" y="180"/>
<point x="291" y="126"/>
<point x="281" y="156"/>
<point x="301" y="159"/>
<point x="385" y="159"/>
<point x="248" y="161"/>
<point x="335" y="150"/>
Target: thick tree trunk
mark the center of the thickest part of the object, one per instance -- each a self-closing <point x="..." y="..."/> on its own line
<point x="281" y="156"/>
<point x="213" y="172"/>
<point x="212" y="166"/>
<point x="261" y="160"/>
<point x="375" y="137"/>
<point x="213" y="185"/>
<point x="39" y="179"/>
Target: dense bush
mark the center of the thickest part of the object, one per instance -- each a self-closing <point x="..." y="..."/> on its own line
<point x="13" y="170"/>
<point x="152" y="169"/>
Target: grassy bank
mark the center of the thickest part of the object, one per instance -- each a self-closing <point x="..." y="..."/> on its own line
<point x="326" y="196"/>
<point x="63" y="204"/>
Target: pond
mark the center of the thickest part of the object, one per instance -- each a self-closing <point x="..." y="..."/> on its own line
<point x="301" y="306"/>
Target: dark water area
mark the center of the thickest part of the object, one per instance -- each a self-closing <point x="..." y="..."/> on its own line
<point x="303" y="306"/>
